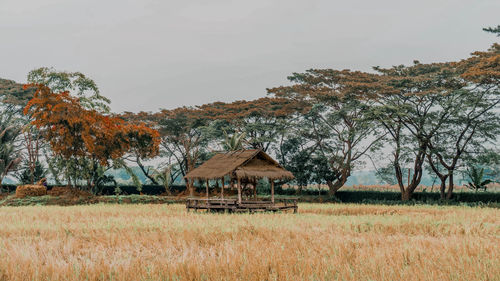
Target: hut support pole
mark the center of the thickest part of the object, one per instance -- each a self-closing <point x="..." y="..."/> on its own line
<point x="255" y="189"/>
<point x="207" y="189"/>
<point x="272" y="191"/>
<point x="239" y="191"/>
<point x="222" y="189"/>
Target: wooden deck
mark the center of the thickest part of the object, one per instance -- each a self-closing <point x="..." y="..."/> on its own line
<point x="231" y="205"/>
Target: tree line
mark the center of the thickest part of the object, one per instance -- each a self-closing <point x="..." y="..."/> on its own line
<point x="322" y="126"/>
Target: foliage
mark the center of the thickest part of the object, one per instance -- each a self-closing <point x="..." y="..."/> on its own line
<point x="235" y="142"/>
<point x="494" y="30"/>
<point x="87" y="137"/>
<point x="295" y="156"/>
<point x="261" y="120"/>
<point x="164" y="177"/>
<point x="336" y="119"/>
<point x="84" y="88"/>
<point x="10" y="155"/>
<point x="13" y="94"/>
<point x="476" y="179"/>
<point x="28" y="175"/>
<point x="75" y="131"/>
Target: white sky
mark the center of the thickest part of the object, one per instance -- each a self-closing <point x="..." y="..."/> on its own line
<point x="151" y="54"/>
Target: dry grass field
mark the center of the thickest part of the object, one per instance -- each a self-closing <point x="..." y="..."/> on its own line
<point x="322" y="242"/>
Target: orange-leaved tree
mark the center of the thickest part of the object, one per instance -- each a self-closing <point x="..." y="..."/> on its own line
<point x="74" y="132"/>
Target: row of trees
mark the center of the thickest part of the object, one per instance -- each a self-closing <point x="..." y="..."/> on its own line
<point x="76" y="136"/>
<point x="322" y="126"/>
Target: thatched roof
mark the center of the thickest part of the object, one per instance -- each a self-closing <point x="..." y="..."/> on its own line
<point x="249" y="164"/>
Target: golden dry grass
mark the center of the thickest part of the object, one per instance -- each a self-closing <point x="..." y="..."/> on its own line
<point x="323" y="242"/>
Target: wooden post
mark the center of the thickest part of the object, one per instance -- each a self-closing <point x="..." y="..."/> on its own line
<point x="239" y="191"/>
<point x="222" y="189"/>
<point x="255" y="190"/>
<point x="207" y="190"/>
<point x="272" y="191"/>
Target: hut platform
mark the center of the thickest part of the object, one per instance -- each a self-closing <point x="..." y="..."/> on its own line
<point x="232" y="205"/>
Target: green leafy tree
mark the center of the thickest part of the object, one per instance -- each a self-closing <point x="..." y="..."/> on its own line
<point x="10" y="155"/>
<point x="28" y="175"/>
<point x="408" y="108"/>
<point x="75" y="83"/>
<point x="476" y="179"/>
<point x="295" y="156"/>
<point x="337" y="119"/>
<point x="164" y="177"/>
<point x="234" y="142"/>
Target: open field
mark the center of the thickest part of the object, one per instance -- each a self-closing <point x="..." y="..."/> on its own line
<point x="322" y="242"/>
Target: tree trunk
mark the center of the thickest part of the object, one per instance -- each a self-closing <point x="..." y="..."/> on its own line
<point x="450" y="186"/>
<point x="144" y="172"/>
<point x="407" y="194"/>
<point x="333" y="187"/>
<point x="442" y="188"/>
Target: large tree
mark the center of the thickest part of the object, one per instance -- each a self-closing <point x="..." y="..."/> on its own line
<point x="85" y="90"/>
<point x="475" y="122"/>
<point x="76" y="83"/>
<point x="86" y="135"/>
<point x="12" y="98"/>
<point x="336" y="115"/>
<point x="422" y="100"/>
<point x="185" y="136"/>
<point x="10" y="155"/>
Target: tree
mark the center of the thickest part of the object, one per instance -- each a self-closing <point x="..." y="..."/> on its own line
<point x="474" y="122"/>
<point x="233" y="143"/>
<point x="335" y="112"/>
<point x="29" y="173"/>
<point x="412" y="104"/>
<point x="88" y="95"/>
<point x="14" y="95"/>
<point x="471" y="125"/>
<point x="165" y="178"/>
<point x="87" y="136"/>
<point x="33" y="143"/>
<point x="10" y="155"/>
<point x="76" y="83"/>
<point x="295" y="156"/>
<point x="476" y="179"/>
<point x="185" y="135"/>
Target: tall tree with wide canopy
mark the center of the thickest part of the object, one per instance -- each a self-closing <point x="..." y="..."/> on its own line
<point x="75" y="132"/>
<point x="474" y="122"/>
<point x="185" y="136"/>
<point x="337" y="113"/>
<point x="419" y="102"/>
<point x="10" y="156"/>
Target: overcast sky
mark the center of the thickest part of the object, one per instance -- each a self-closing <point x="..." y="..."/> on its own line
<point x="151" y="54"/>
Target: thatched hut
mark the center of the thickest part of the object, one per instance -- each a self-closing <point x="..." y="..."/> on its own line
<point x="241" y="165"/>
